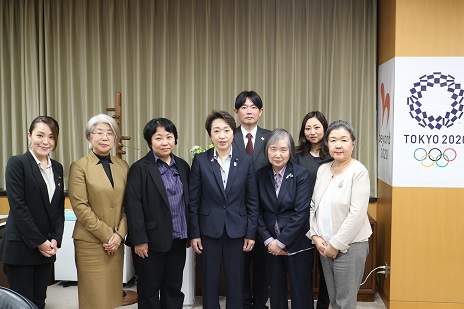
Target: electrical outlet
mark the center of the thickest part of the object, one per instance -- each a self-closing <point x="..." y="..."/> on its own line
<point x="387" y="270"/>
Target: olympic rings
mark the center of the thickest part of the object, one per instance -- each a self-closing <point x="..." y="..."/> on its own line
<point x="435" y="155"/>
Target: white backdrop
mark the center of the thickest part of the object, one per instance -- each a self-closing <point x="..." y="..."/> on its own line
<point x="428" y="130"/>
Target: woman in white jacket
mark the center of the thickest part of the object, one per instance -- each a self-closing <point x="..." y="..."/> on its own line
<point x="339" y="225"/>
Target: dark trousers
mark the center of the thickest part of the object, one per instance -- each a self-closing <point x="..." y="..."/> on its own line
<point x="159" y="277"/>
<point x="299" y="270"/>
<point x="323" y="299"/>
<point x="229" y="251"/>
<point x="31" y="281"/>
<point x="256" y="293"/>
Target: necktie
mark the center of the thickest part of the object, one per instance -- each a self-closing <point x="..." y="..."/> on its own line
<point x="249" y="145"/>
<point x="277" y="183"/>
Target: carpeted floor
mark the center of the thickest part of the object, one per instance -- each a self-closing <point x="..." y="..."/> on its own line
<point x="61" y="296"/>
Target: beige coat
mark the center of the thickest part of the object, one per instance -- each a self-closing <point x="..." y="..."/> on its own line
<point x="350" y="223"/>
<point x="100" y="212"/>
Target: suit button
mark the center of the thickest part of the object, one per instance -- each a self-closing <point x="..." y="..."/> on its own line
<point x="224" y="206"/>
<point x="49" y="235"/>
<point x="112" y="206"/>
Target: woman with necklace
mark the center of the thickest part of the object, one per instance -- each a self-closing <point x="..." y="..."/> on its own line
<point x="339" y="225"/>
<point x="35" y="225"/>
<point x="311" y="153"/>
<point x="97" y="185"/>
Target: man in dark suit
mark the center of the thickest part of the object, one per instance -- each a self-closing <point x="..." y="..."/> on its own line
<point x="250" y="138"/>
<point x="156" y="205"/>
<point x="223" y="211"/>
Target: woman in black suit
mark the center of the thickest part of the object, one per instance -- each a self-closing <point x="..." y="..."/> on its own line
<point x="34" y="229"/>
<point x="284" y="197"/>
<point x="311" y="152"/>
<point x="156" y="208"/>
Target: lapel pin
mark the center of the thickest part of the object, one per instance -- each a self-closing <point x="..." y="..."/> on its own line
<point x="262" y="138"/>
<point x="289" y="176"/>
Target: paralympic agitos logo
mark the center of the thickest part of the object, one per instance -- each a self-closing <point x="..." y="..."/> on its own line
<point x="452" y="111"/>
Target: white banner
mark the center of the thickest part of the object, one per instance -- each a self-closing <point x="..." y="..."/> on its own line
<point x="385" y="98"/>
<point x="428" y="130"/>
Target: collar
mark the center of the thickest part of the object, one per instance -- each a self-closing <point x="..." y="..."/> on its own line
<point x="102" y="159"/>
<point x="281" y="172"/>
<point x="173" y="161"/>
<point x="215" y="155"/>
<point x="49" y="162"/>
<point x="245" y="132"/>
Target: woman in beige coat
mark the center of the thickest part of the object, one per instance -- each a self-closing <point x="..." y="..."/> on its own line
<point x="339" y="225"/>
<point x="96" y="190"/>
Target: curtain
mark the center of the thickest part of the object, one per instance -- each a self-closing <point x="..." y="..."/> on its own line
<point x="181" y="59"/>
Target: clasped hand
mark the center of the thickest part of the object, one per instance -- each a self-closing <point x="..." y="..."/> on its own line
<point x="48" y="248"/>
<point x="113" y="244"/>
<point x="274" y="249"/>
<point x="324" y="248"/>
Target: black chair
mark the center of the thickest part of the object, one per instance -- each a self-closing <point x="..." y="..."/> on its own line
<point x="9" y="299"/>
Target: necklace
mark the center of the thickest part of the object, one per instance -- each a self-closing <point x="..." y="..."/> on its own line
<point x="314" y="153"/>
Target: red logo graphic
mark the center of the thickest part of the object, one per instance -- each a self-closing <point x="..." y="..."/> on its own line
<point x="385" y="103"/>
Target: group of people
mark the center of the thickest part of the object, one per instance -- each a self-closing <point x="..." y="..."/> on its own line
<point x="253" y="204"/>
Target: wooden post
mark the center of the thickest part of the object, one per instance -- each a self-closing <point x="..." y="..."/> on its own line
<point x="118" y="117"/>
<point x="128" y="297"/>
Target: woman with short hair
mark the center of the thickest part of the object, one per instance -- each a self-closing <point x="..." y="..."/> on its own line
<point x="97" y="184"/>
<point x="340" y="226"/>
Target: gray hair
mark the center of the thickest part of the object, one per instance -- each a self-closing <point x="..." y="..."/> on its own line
<point x="340" y="124"/>
<point x="102" y="118"/>
<point x="277" y="135"/>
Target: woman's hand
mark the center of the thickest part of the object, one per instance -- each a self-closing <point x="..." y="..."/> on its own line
<point x="320" y="243"/>
<point x="274" y="249"/>
<point x="248" y="244"/>
<point x="48" y="248"/>
<point x="141" y="250"/>
<point x="113" y="244"/>
<point x="330" y="252"/>
<point x="196" y="245"/>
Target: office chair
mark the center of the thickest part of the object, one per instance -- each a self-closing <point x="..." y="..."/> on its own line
<point x="9" y="299"/>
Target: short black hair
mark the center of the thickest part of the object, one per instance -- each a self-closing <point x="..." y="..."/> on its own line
<point x="220" y="115"/>
<point x="244" y="95"/>
<point x="152" y="126"/>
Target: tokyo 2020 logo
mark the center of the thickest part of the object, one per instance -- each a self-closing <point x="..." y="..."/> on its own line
<point x="451" y="111"/>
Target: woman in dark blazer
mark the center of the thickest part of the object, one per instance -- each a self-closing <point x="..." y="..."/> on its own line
<point x="34" y="229"/>
<point x="156" y="207"/>
<point x="284" y="200"/>
<point x="311" y="152"/>
<point x="223" y="210"/>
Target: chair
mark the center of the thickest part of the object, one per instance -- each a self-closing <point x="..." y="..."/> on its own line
<point x="10" y="299"/>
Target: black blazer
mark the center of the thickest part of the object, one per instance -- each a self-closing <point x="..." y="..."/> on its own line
<point x="259" y="158"/>
<point x="148" y="213"/>
<point x="33" y="218"/>
<point x="290" y="208"/>
<point x="212" y="208"/>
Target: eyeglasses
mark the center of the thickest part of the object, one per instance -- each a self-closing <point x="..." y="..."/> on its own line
<point x="109" y="135"/>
